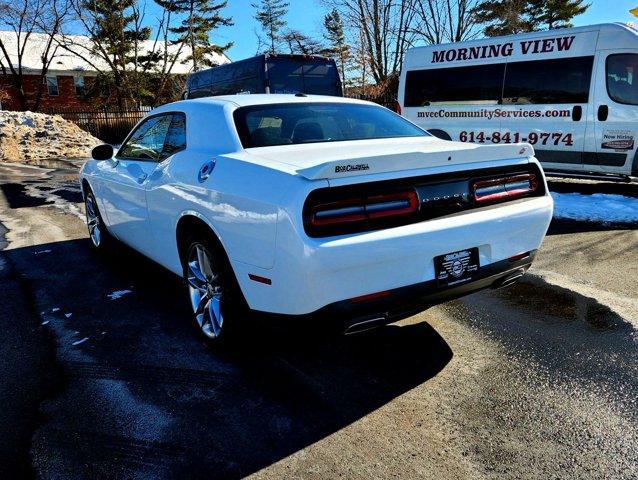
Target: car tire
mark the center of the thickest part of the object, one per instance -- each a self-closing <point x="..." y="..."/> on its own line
<point x="217" y="305"/>
<point x="99" y="235"/>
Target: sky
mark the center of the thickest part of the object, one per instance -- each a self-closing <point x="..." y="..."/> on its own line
<point x="307" y="16"/>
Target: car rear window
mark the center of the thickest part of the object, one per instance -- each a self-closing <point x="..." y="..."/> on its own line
<point x="290" y="124"/>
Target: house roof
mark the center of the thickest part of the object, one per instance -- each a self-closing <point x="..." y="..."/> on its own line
<point x="77" y="57"/>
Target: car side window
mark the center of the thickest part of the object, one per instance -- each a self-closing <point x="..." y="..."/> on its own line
<point x="156" y="138"/>
<point x="176" y="136"/>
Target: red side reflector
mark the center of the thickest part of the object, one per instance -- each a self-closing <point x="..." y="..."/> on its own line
<point x="370" y="296"/>
<point x="504" y="188"/>
<point x="518" y="257"/>
<point x="259" y="279"/>
<point x="397" y="107"/>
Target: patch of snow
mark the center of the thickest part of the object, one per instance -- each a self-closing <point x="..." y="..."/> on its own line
<point x="598" y="207"/>
<point x="40" y="252"/>
<point x="118" y="294"/>
<point x="46" y="322"/>
<point x="78" y="342"/>
<point x="55" y="309"/>
<point x="68" y="315"/>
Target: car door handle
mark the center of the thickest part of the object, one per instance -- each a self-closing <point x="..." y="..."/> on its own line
<point x="142" y="177"/>
<point x="603" y="112"/>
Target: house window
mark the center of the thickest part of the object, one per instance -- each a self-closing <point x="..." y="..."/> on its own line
<point x="52" y="85"/>
<point x="79" y="86"/>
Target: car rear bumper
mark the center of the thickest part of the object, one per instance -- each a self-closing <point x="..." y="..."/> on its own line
<point x="361" y="314"/>
<point x="310" y="274"/>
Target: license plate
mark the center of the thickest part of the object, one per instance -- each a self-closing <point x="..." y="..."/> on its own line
<point x="456" y="267"/>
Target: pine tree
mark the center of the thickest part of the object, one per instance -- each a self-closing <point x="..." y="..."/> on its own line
<point x="518" y="16"/>
<point x="114" y="33"/>
<point x="201" y="17"/>
<point x="503" y="17"/>
<point x="270" y="14"/>
<point x="337" y="40"/>
<point x="555" y="13"/>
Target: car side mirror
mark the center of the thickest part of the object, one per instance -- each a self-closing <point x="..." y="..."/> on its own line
<point x="102" y="152"/>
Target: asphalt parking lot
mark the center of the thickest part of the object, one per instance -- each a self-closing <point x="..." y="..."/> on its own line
<point x="104" y="378"/>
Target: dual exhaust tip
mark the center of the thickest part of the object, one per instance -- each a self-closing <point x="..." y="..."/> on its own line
<point x="363" y="324"/>
<point x="508" y="280"/>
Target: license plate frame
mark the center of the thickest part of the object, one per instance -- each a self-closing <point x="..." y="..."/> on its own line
<point x="457" y="267"/>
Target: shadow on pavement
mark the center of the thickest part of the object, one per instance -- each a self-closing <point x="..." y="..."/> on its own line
<point x="144" y="397"/>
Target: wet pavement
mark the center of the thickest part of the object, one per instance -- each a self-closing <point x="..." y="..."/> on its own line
<point x="536" y="381"/>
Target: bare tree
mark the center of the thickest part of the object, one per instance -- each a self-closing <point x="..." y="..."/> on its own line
<point x="439" y="21"/>
<point x="385" y="27"/>
<point x="28" y="20"/>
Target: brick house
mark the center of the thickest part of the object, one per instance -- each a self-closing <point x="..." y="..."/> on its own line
<point x="69" y="76"/>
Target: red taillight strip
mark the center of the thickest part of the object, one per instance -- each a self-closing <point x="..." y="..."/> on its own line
<point x="360" y="209"/>
<point x="505" y="187"/>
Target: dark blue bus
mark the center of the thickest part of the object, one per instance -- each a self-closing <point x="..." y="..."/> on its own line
<point x="267" y="73"/>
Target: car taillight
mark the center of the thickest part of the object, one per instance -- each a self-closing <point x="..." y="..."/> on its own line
<point x="504" y="188"/>
<point x="363" y="209"/>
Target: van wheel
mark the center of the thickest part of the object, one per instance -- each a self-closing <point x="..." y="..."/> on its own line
<point x="440" y="134"/>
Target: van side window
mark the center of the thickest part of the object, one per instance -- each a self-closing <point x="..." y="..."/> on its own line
<point x="622" y="84"/>
<point x="478" y="85"/>
<point x="563" y="80"/>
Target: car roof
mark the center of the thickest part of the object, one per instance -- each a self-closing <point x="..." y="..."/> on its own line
<point x="267" y="99"/>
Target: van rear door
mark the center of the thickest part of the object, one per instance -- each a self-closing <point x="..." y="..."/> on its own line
<point x="615" y="112"/>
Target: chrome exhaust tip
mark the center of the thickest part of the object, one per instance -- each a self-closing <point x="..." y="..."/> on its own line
<point x="509" y="280"/>
<point x="361" y="325"/>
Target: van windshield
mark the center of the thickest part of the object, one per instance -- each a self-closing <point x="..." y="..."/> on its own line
<point x="289" y="124"/>
<point x="303" y="75"/>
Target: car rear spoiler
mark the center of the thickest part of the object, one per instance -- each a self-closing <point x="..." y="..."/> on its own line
<point x="446" y="154"/>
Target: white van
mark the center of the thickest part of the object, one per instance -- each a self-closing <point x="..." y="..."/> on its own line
<point x="571" y="93"/>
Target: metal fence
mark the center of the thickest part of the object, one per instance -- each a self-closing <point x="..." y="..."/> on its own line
<point x="109" y="124"/>
<point x="386" y="100"/>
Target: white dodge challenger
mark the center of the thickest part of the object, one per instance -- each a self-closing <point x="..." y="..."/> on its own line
<point x="315" y="207"/>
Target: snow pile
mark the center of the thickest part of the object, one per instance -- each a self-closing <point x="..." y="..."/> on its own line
<point x="599" y="207"/>
<point x="28" y="136"/>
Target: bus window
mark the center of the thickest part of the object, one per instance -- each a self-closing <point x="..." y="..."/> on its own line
<point x="563" y="80"/>
<point x="622" y="85"/>
<point x="478" y="85"/>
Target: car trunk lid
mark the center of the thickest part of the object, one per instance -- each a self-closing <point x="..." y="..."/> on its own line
<point x="356" y="158"/>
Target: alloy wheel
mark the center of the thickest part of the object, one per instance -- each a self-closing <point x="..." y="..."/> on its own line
<point x="93" y="221"/>
<point x="205" y="290"/>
